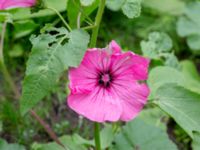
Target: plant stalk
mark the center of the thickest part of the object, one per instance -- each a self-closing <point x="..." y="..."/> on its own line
<point x="97" y="136"/>
<point x="93" y="41"/>
<point x="98" y="18"/>
<point x="60" y="16"/>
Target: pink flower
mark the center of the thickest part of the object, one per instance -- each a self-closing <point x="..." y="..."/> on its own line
<point x="7" y="4"/>
<point x="105" y="86"/>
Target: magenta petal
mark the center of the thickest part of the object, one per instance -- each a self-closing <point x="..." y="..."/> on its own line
<point x="133" y="97"/>
<point x="114" y="47"/>
<point x="105" y="87"/>
<point x="132" y="64"/>
<point x="6" y="4"/>
<point x="99" y="105"/>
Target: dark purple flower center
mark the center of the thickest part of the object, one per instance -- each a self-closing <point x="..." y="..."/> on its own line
<point x="105" y="79"/>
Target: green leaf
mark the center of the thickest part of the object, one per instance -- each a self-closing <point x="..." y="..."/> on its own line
<point x="189" y="24"/>
<point x="28" y="27"/>
<point x="5" y="146"/>
<point x="139" y="135"/>
<point x="189" y="70"/>
<point x="161" y="75"/>
<point x="192" y="78"/>
<point x="132" y="8"/>
<point x="115" y="5"/>
<point x="5" y="17"/>
<point x="172" y="61"/>
<point x="172" y="7"/>
<point x="157" y="44"/>
<point x="181" y="104"/>
<point x="48" y="60"/>
<point x="68" y="142"/>
<point x="87" y="2"/>
<point x="196" y="141"/>
<point x="107" y="136"/>
<point x="154" y="116"/>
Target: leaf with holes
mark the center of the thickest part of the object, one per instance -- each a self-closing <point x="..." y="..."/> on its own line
<point x="48" y="60"/>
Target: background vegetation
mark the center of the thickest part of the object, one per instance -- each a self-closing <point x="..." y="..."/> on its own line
<point x="167" y="31"/>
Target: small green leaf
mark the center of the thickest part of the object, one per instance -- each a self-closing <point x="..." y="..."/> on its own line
<point x="132" y="8"/>
<point x="139" y="135"/>
<point x="48" y="60"/>
<point x="181" y="104"/>
<point x="157" y="44"/>
<point x="172" y="61"/>
<point x="87" y="2"/>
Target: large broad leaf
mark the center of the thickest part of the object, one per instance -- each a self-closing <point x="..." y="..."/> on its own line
<point x="139" y="135"/>
<point x="5" y="146"/>
<point x="162" y="75"/>
<point x="132" y="8"/>
<point x="23" y="13"/>
<point x="192" y="77"/>
<point x="154" y="116"/>
<point x="173" y="7"/>
<point x="189" y="24"/>
<point x="196" y="141"/>
<point x="181" y="104"/>
<point x="47" y="61"/>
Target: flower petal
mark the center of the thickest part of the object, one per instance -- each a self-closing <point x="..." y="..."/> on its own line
<point x="133" y="97"/>
<point x="7" y="4"/>
<point x="130" y="63"/>
<point x="84" y="77"/>
<point x="114" y="47"/>
<point x="100" y="105"/>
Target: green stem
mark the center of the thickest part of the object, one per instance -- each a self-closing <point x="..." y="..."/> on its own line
<point x="61" y="17"/>
<point x="2" y="41"/>
<point x="97" y="136"/>
<point x="3" y="67"/>
<point x="98" y="18"/>
<point x="93" y="41"/>
<point x="88" y="27"/>
<point x="9" y="79"/>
